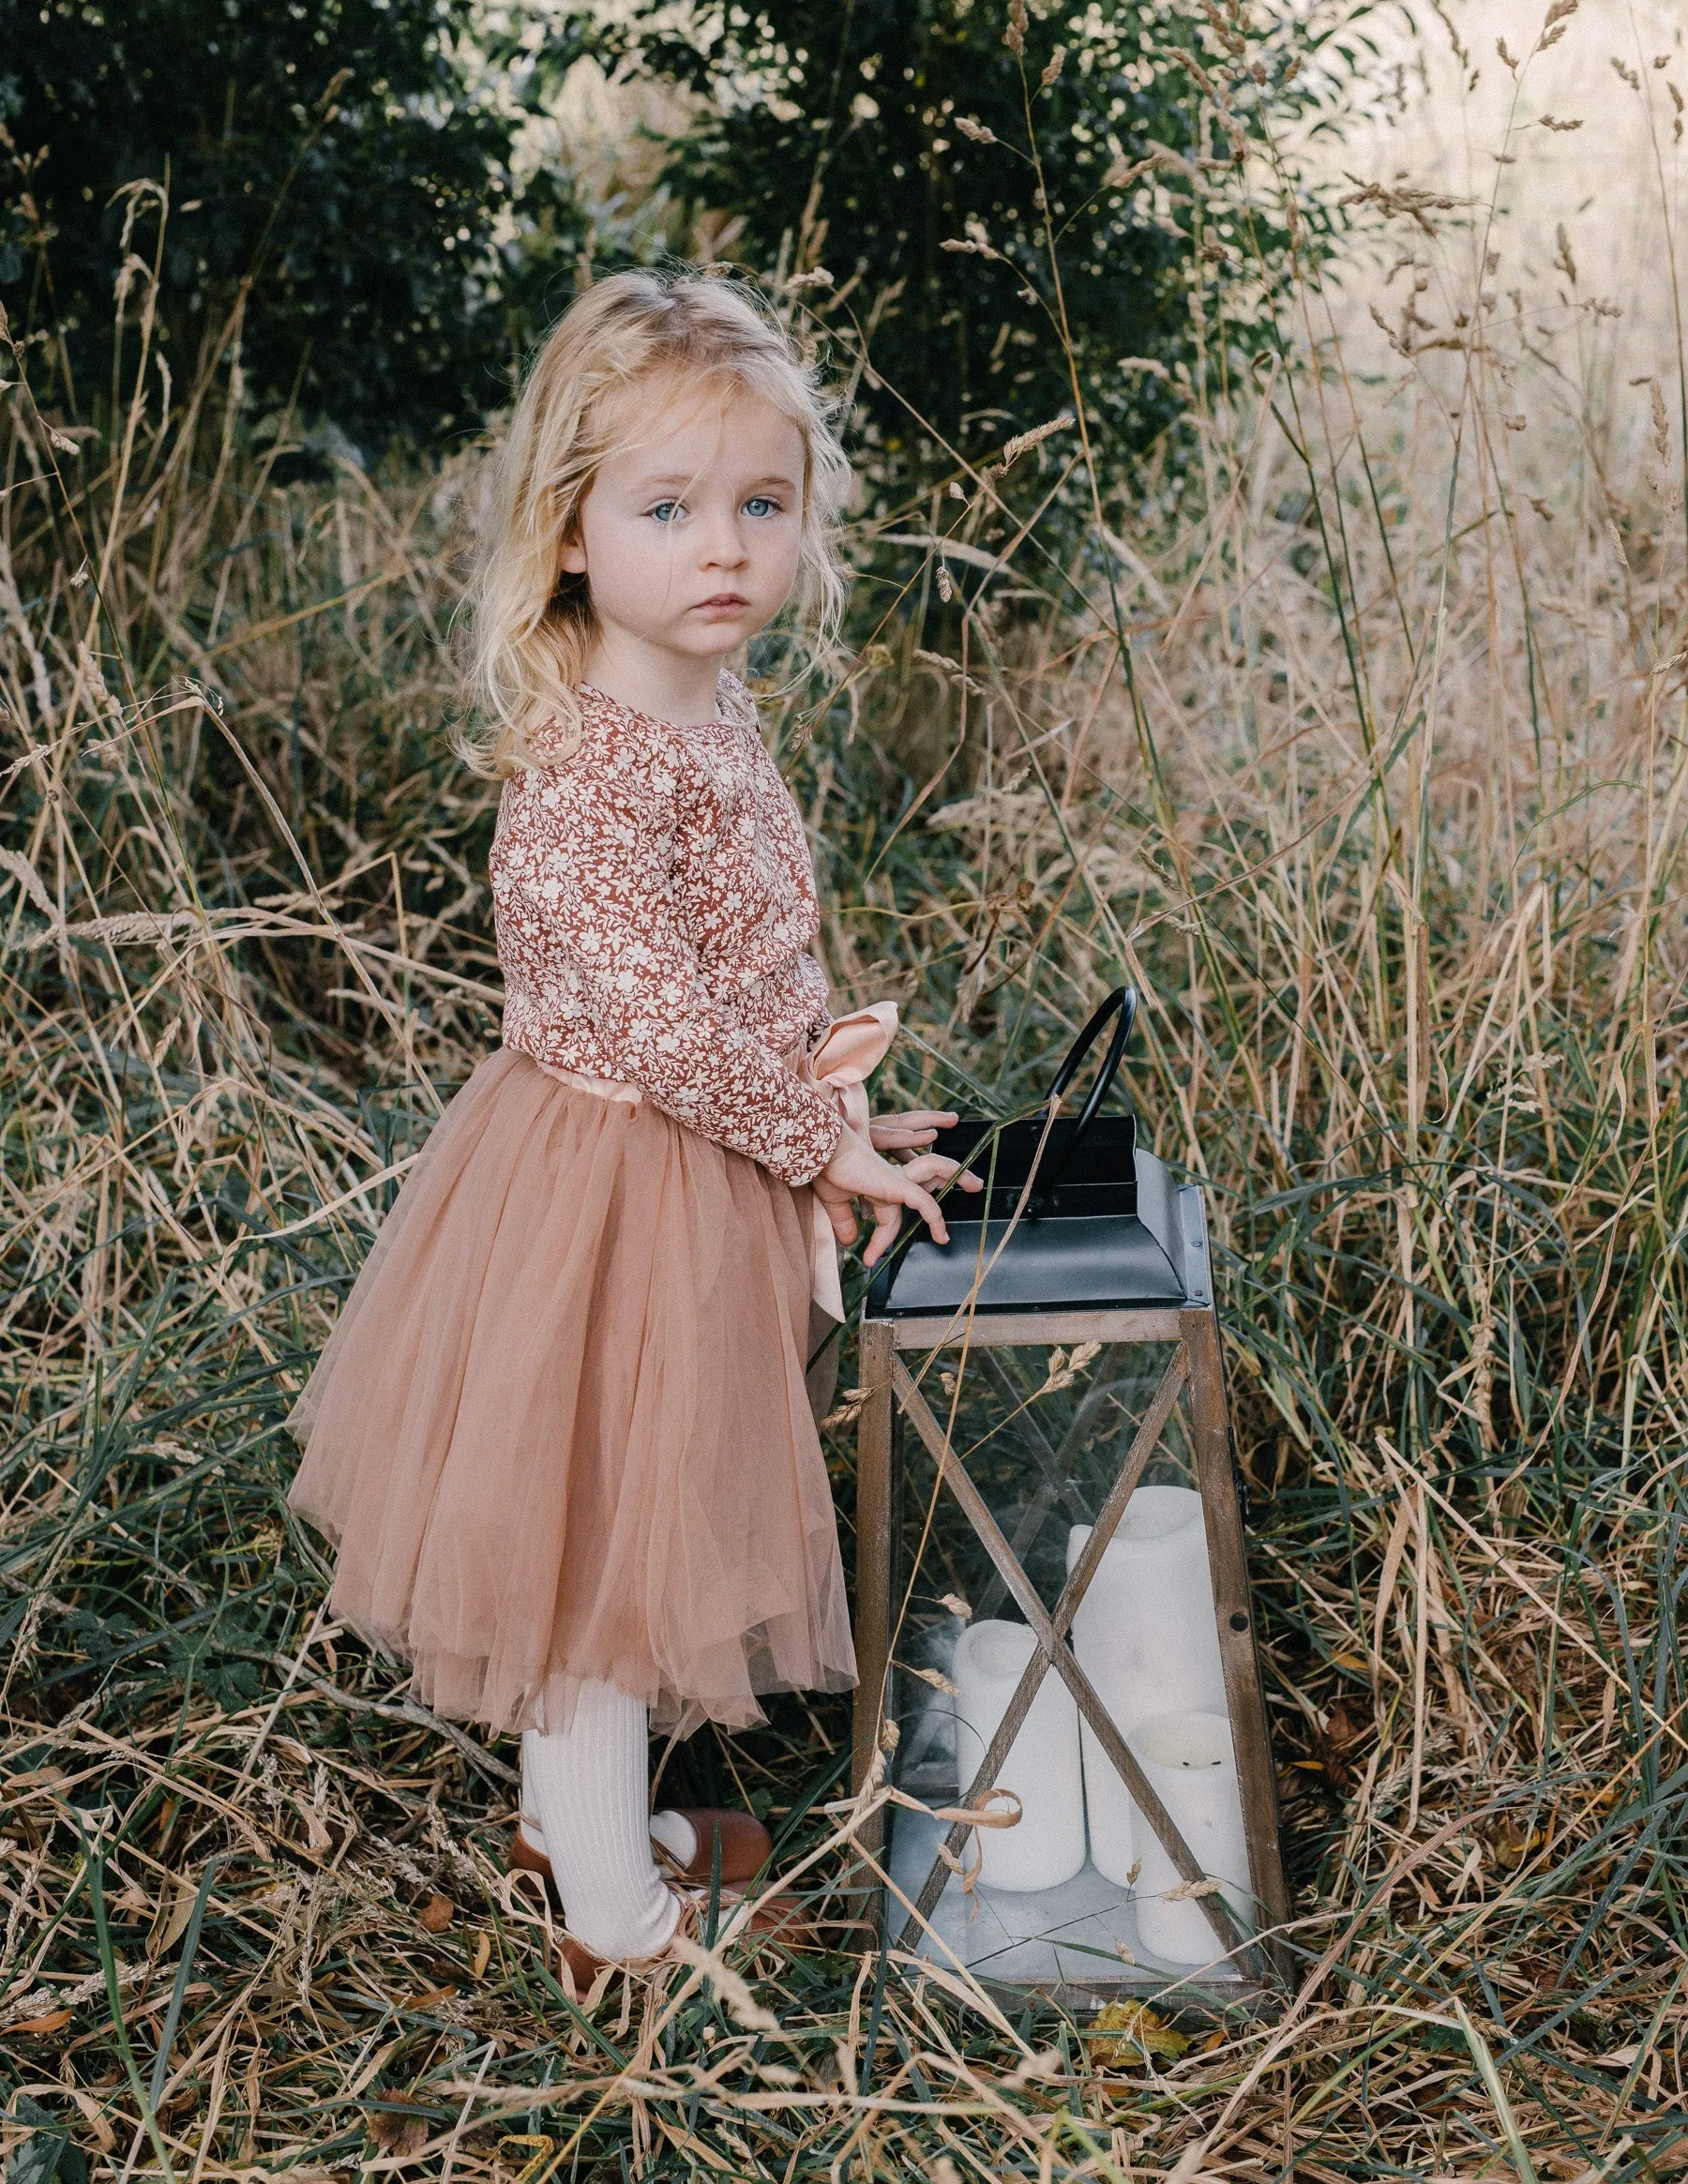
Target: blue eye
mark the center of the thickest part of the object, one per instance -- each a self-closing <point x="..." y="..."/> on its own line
<point x="666" y="511"/>
<point x="760" y="505"/>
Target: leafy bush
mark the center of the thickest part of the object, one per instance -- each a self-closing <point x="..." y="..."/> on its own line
<point x="913" y="152"/>
<point x="343" y="187"/>
<point x="324" y="162"/>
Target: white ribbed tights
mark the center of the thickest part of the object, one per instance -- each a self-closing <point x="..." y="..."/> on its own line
<point x="589" y="1789"/>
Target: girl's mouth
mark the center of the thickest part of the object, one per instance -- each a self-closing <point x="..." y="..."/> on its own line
<point x="723" y="603"/>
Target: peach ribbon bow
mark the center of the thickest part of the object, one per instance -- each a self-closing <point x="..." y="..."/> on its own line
<point x="840" y="1066"/>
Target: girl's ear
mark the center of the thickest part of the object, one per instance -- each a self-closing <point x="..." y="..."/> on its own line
<point x="572" y="560"/>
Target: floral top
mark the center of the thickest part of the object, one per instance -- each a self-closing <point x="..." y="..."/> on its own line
<point x="654" y="905"/>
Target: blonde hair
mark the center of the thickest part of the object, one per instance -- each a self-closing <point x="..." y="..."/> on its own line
<point x="530" y="623"/>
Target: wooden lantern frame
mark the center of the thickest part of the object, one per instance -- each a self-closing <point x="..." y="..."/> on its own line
<point x="1197" y="1363"/>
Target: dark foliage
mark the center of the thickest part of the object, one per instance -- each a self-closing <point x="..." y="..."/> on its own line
<point x="324" y="158"/>
<point x="835" y="134"/>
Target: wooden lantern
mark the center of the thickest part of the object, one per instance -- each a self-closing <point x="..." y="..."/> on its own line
<point x="1053" y="1615"/>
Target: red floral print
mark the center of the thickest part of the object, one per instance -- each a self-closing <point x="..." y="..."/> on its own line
<point x="654" y="905"/>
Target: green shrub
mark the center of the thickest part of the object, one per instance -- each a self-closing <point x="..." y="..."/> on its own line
<point x="910" y="151"/>
<point x="326" y="159"/>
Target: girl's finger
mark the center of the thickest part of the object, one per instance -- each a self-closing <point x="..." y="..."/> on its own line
<point x="930" y="1212"/>
<point x="918" y="1128"/>
<point x="937" y="1167"/>
<point x="843" y="1223"/>
<point x="887" y="1221"/>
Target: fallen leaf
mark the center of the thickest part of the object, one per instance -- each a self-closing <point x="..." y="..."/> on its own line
<point x="483" y="1951"/>
<point x="438" y="1915"/>
<point x="395" y="2132"/>
<point x="55" y="2021"/>
<point x="94" y="2116"/>
<point x="1142" y="2033"/>
<point x="1337" y="1742"/>
<point x="537" y="2160"/>
<point x="1513" y="1841"/>
<point x="171" y="1923"/>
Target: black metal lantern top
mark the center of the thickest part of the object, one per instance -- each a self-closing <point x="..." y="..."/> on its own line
<point x="1075" y="1211"/>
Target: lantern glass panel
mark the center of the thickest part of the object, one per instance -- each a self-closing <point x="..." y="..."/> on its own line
<point x="1044" y="1433"/>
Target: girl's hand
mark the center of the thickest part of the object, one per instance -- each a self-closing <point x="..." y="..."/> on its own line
<point x="855" y="1171"/>
<point x="900" y="1133"/>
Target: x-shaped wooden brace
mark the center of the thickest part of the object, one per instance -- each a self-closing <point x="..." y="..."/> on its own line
<point x="1058" y="1486"/>
<point x="1050" y="1630"/>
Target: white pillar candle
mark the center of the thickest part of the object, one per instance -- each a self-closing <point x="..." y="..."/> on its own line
<point x="1146" y="1636"/>
<point x="1046" y="1847"/>
<point x="1192" y="1769"/>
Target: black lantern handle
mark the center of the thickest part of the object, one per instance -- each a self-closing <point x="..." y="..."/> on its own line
<point x="1123" y="1002"/>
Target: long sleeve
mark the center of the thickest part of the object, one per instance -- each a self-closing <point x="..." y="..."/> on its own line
<point x="597" y="942"/>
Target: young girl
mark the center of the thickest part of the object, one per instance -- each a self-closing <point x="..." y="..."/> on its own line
<point x="560" y="1432"/>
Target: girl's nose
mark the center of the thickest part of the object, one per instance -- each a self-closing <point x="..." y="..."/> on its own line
<point x="723" y="544"/>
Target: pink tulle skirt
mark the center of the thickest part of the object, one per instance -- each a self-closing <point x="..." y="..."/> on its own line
<point x="561" y="1428"/>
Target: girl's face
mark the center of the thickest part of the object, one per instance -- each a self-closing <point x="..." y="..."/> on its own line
<point x="691" y="542"/>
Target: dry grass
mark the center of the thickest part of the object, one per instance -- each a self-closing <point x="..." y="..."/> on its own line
<point x="1386" y="817"/>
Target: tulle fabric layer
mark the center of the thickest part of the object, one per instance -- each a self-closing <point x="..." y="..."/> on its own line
<point x="560" y="1430"/>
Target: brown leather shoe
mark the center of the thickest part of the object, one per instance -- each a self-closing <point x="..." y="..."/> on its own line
<point x="745" y="1848"/>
